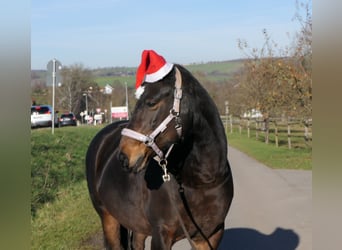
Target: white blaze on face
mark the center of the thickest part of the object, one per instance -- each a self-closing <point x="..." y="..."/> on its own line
<point x="140" y="90"/>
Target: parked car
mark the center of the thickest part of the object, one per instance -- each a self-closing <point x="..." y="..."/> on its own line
<point x="41" y="116"/>
<point x="67" y="119"/>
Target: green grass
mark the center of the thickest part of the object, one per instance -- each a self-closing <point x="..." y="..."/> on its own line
<point x="113" y="80"/>
<point x="274" y="157"/>
<point x="57" y="160"/>
<point x="62" y="215"/>
<point x="68" y="222"/>
<point x="225" y="67"/>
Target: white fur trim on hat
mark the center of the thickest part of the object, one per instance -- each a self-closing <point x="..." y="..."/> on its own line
<point x="160" y="74"/>
<point x="139" y="91"/>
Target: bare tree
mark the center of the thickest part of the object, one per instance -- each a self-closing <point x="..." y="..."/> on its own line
<point x="75" y="81"/>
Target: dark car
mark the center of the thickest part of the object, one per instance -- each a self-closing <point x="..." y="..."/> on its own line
<point x="67" y="119"/>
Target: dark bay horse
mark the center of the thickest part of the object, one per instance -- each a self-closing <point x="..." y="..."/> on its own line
<point x="164" y="173"/>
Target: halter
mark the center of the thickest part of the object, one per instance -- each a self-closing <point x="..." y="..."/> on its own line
<point x="149" y="140"/>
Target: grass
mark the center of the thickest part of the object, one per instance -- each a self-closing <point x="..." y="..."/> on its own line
<point x="62" y="215"/>
<point x="67" y="222"/>
<point x="299" y="157"/>
<point x="57" y="160"/>
<point x="226" y="67"/>
<point x="114" y="80"/>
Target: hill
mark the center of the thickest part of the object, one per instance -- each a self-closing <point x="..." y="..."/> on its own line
<point x="213" y="71"/>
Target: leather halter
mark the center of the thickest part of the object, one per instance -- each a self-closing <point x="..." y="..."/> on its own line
<point x="149" y="140"/>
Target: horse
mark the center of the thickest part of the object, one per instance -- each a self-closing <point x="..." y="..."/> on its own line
<point x="164" y="173"/>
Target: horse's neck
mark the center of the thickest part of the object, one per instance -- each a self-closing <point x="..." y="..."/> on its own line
<point x="206" y="162"/>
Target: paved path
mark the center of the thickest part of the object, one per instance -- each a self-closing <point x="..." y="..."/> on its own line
<point x="271" y="209"/>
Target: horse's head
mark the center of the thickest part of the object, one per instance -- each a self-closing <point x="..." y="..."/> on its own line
<point x="155" y="123"/>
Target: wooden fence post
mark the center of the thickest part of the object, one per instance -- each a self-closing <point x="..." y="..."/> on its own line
<point x="267" y="127"/>
<point x="240" y="126"/>
<point x="288" y="134"/>
<point x="256" y="129"/>
<point x="248" y="130"/>
<point x="276" y="133"/>
<point x="231" y="123"/>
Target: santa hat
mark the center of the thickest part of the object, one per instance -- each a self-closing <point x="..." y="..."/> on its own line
<point x="152" y="68"/>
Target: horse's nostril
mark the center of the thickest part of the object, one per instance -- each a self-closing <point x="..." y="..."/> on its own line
<point x="123" y="159"/>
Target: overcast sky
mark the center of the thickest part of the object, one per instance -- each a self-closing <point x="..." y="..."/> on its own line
<point x="110" y="33"/>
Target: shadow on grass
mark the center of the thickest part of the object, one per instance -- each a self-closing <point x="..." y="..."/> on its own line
<point x="250" y="239"/>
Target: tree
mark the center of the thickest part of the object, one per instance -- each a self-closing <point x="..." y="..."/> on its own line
<point x="75" y="81"/>
<point x="302" y="54"/>
<point x="277" y="81"/>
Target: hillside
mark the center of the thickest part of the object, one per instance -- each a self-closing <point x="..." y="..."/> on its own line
<point x="213" y="71"/>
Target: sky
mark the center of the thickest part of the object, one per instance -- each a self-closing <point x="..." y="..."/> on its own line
<point x="113" y="33"/>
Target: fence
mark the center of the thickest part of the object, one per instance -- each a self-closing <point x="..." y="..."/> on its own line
<point x="291" y="131"/>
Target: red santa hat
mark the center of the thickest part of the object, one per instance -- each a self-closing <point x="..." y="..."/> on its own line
<point x="152" y="68"/>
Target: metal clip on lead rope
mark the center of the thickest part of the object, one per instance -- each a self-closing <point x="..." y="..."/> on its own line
<point x="166" y="177"/>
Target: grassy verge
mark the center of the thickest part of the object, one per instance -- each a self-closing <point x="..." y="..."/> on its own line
<point x="57" y="160"/>
<point x="274" y="157"/>
<point x="62" y="215"/>
<point x="66" y="222"/>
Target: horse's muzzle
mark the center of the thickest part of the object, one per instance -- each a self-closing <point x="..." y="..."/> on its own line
<point x="133" y="155"/>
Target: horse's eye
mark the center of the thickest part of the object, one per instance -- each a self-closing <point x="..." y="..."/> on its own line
<point x="151" y="103"/>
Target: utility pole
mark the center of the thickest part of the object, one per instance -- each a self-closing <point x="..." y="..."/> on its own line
<point x="53" y="68"/>
<point x="127" y="101"/>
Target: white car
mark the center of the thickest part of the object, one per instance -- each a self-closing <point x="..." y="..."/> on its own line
<point x="41" y="116"/>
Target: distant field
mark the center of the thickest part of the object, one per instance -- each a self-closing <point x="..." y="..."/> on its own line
<point x="214" y="71"/>
<point x="114" y="80"/>
<point x="226" y="67"/>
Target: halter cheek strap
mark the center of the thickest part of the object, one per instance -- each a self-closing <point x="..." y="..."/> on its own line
<point x="149" y="140"/>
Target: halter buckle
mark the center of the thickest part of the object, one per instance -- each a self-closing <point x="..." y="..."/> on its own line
<point x="149" y="141"/>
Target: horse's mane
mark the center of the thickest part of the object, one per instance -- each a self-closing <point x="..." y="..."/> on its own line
<point x="202" y="107"/>
<point x="206" y="128"/>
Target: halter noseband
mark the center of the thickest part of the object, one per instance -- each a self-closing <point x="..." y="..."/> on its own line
<point x="149" y="140"/>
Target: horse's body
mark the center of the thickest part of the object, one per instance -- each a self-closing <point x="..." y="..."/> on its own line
<point x="125" y="183"/>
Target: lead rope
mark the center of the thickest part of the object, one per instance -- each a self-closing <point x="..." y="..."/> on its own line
<point x="187" y="235"/>
<point x="188" y="211"/>
<point x="187" y="208"/>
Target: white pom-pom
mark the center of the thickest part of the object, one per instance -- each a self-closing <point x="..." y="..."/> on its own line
<point x="140" y="90"/>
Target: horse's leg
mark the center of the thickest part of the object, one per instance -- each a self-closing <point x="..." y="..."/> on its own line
<point x="214" y="241"/>
<point x="111" y="231"/>
<point x="161" y="240"/>
<point x="138" y="241"/>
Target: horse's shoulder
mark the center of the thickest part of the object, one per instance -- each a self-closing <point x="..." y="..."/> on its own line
<point x="103" y="144"/>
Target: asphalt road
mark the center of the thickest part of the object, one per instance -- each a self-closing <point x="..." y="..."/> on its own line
<point x="271" y="210"/>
